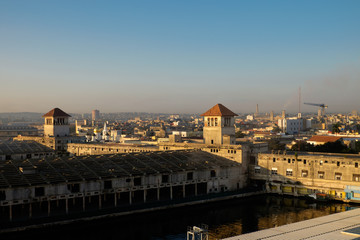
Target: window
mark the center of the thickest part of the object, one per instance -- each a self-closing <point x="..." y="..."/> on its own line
<point x="227" y="122"/>
<point x="289" y="172"/>
<point x="338" y="176"/>
<point x="356" y="165"/>
<point x="137" y="181"/>
<point x="304" y="173"/>
<point x="257" y="169"/>
<point x="216" y="122"/>
<point x="338" y="164"/>
<point x="274" y="159"/>
<point x="108" y="184"/>
<point x="304" y="161"/>
<point x="208" y="122"/>
<point x="2" y="195"/>
<point x="73" y="188"/>
<point x="289" y="160"/>
<point x="165" y="178"/>
<point x="212" y="173"/>
<point x="274" y="171"/>
<point x="356" y="177"/>
<point x="212" y="122"/>
<point x="321" y="175"/>
<point x="39" y="191"/>
<point x="189" y="176"/>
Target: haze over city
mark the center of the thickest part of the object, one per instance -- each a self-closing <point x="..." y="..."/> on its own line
<point x="178" y="56"/>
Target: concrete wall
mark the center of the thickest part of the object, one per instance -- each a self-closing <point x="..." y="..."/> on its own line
<point x="101" y="149"/>
<point x="224" y="179"/>
<point x="329" y="173"/>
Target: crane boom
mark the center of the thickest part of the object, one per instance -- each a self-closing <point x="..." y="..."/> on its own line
<point x="317" y="104"/>
<point x="321" y="105"/>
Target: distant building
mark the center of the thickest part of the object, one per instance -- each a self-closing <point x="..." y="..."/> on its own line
<point x="250" y="117"/>
<point x="56" y="132"/>
<point x="272" y="116"/>
<point x="13" y="131"/>
<point x="291" y="125"/>
<point x="219" y="125"/>
<point x="95" y="115"/>
<point x="320" y="140"/>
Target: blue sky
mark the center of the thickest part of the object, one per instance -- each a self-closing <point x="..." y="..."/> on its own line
<point x="178" y="56"/>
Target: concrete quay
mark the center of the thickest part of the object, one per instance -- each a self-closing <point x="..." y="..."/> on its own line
<point x="339" y="226"/>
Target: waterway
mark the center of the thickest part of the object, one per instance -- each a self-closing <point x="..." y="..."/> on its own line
<point x="224" y="219"/>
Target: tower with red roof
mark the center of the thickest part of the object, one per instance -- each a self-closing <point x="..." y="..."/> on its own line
<point x="219" y="125"/>
<point x="56" y="123"/>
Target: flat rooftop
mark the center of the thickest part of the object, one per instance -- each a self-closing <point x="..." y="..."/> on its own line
<point x="339" y="226"/>
<point x="291" y="153"/>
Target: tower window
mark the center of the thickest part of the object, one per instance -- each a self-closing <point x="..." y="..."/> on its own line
<point x="216" y="122"/>
<point x="227" y="122"/>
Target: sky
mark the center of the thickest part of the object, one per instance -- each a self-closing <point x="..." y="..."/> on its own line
<point x="180" y="56"/>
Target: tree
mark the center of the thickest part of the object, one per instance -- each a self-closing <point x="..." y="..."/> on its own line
<point x="275" y="144"/>
<point x="276" y="129"/>
<point x="239" y="134"/>
<point x="336" y="128"/>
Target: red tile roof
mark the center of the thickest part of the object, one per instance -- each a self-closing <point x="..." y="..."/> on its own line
<point x="56" y="112"/>
<point x="219" y="110"/>
<point x="324" y="139"/>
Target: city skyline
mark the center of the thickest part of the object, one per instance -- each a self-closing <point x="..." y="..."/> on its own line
<point x="179" y="57"/>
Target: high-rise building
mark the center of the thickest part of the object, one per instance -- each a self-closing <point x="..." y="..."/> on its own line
<point x="283" y="114"/>
<point x="95" y="115"/>
<point x="272" y="116"/>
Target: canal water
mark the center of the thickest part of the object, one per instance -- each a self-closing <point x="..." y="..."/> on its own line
<point x="224" y="219"/>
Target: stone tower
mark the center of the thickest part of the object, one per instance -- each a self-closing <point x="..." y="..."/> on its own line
<point x="219" y="125"/>
<point x="56" y="123"/>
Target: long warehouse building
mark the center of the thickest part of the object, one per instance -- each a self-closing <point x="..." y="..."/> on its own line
<point x="55" y="186"/>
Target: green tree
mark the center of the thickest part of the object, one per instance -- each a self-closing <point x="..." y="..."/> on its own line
<point x="239" y="134"/>
<point x="275" y="144"/>
<point x="336" y="128"/>
<point x="276" y="129"/>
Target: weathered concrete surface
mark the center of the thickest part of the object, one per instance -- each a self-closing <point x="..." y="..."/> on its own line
<point x="325" y="228"/>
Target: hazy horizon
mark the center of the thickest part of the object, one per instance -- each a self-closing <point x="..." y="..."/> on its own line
<point x="179" y="56"/>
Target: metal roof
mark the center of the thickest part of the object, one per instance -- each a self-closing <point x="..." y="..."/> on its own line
<point x="16" y="173"/>
<point x="18" y="147"/>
